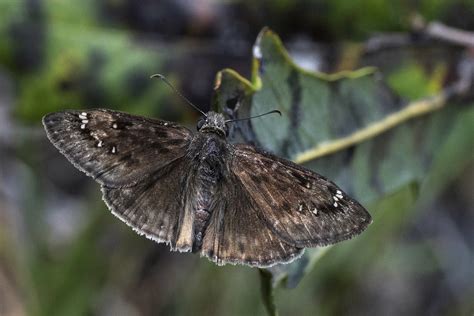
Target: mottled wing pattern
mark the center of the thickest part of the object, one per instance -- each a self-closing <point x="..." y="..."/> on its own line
<point x="115" y="148"/>
<point x="300" y="206"/>
<point x="237" y="232"/>
<point x="265" y="209"/>
<point x="159" y="207"/>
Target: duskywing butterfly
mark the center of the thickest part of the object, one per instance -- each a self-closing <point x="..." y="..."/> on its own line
<point x="197" y="192"/>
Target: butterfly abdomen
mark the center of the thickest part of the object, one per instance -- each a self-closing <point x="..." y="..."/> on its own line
<point x="208" y="175"/>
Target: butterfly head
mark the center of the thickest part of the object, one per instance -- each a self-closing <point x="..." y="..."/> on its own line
<point x="213" y="122"/>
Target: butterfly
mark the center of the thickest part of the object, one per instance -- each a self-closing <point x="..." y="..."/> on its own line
<point x="199" y="193"/>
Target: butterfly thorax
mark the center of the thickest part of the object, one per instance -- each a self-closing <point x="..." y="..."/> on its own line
<point x="214" y="123"/>
<point x="210" y="152"/>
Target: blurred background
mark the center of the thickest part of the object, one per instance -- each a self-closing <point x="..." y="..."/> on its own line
<point x="63" y="253"/>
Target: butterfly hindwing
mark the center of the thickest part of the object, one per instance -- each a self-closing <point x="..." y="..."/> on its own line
<point x="115" y="148"/>
<point x="159" y="207"/>
<point x="300" y="206"/>
<point x="237" y="232"/>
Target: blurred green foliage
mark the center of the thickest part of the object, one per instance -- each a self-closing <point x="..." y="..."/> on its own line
<point x="356" y="20"/>
<point x="77" y="62"/>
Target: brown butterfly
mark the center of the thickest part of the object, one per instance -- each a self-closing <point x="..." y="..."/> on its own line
<point x="197" y="192"/>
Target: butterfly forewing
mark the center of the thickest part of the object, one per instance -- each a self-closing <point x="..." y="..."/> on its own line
<point x="115" y="148"/>
<point x="303" y="208"/>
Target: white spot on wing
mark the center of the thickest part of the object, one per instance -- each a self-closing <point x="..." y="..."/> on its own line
<point x="99" y="144"/>
<point x="83" y="126"/>
<point x="335" y="204"/>
<point x="114" y="150"/>
<point x="114" y="125"/>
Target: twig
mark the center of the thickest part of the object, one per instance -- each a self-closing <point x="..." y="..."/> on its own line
<point x="422" y="32"/>
<point x="449" y="34"/>
<point x="383" y="41"/>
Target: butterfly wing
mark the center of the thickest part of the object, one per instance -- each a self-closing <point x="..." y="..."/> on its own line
<point x="115" y="148"/>
<point x="300" y="206"/>
<point x="159" y="207"/>
<point x="141" y="164"/>
<point x="237" y="232"/>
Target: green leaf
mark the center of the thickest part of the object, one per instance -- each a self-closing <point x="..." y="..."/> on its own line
<point x="347" y="126"/>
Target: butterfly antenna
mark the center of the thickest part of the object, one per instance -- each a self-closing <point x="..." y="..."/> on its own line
<point x="177" y="92"/>
<point x="248" y="118"/>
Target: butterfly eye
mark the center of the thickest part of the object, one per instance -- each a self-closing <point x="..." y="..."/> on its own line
<point x="200" y="123"/>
